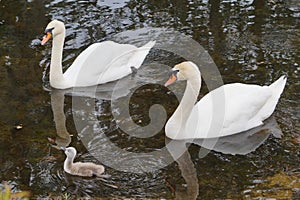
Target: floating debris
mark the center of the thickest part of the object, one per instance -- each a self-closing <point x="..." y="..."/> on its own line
<point x="51" y="140"/>
<point x="19" y="126"/>
<point x="260" y="63"/>
<point x="296" y="140"/>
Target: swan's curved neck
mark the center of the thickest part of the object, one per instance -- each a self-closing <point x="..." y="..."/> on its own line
<point x="56" y="73"/>
<point x="188" y="100"/>
<point x="176" y="124"/>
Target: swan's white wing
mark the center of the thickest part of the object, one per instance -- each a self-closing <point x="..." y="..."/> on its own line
<point x="242" y="103"/>
<point x="89" y="66"/>
<point x="104" y="62"/>
<point x="121" y="64"/>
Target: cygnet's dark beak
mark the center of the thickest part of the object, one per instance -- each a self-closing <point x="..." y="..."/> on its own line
<point x="63" y="148"/>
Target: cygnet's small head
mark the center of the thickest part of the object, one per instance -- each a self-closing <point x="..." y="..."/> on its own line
<point x="70" y="152"/>
<point x="182" y="71"/>
<point x="53" y="29"/>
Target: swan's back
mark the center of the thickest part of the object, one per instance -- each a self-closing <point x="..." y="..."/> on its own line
<point x="104" y="62"/>
<point x="244" y="107"/>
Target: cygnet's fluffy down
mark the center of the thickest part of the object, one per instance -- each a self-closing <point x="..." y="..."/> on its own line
<point x="78" y="168"/>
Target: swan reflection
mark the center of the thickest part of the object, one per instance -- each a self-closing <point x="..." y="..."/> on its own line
<point x="110" y="91"/>
<point x="178" y="150"/>
<point x="63" y="138"/>
<point x="241" y="143"/>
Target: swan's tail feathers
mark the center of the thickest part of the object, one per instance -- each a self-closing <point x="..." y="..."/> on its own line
<point x="278" y="86"/>
<point x="140" y="54"/>
<point x="149" y="45"/>
<point x="276" y="89"/>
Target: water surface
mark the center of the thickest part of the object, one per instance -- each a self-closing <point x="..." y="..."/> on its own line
<point x="250" y="41"/>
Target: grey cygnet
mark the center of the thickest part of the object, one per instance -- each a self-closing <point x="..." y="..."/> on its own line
<point x="78" y="168"/>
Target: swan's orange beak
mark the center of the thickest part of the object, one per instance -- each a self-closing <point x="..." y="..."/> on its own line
<point x="172" y="78"/>
<point x="46" y="37"/>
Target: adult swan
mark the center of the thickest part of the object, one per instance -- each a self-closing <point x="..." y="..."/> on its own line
<point x="245" y="106"/>
<point x="99" y="63"/>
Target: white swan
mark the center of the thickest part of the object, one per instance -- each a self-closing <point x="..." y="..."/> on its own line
<point x="245" y="106"/>
<point x="99" y="63"/>
<point x="81" y="169"/>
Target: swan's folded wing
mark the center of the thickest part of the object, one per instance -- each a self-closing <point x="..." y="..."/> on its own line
<point x="100" y="63"/>
<point x="229" y="109"/>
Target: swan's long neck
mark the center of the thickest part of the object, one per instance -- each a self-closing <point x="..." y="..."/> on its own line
<point x="177" y="122"/>
<point x="56" y="73"/>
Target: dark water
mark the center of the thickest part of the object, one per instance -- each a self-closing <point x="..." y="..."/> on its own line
<point x="250" y="41"/>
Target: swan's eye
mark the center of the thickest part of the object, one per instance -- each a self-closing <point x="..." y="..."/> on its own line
<point x="47" y="36"/>
<point x="49" y="30"/>
<point x="172" y="77"/>
<point x="175" y="72"/>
